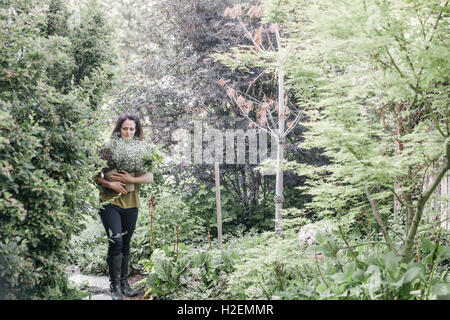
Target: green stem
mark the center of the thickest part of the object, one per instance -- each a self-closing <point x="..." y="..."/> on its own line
<point x="433" y="264"/>
<point x="348" y="247"/>
<point x="380" y="222"/>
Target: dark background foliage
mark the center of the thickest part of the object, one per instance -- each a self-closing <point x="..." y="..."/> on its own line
<point x="175" y="80"/>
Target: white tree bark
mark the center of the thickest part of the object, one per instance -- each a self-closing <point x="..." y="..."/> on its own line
<point x="279" y="199"/>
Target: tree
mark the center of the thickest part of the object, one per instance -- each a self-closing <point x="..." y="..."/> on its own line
<point x="382" y="114"/>
<point x="267" y="114"/>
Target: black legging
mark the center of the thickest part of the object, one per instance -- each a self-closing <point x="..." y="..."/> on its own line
<point x="121" y="223"/>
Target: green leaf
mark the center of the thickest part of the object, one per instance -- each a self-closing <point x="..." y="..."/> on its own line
<point x="358" y="276"/>
<point x="321" y="287"/>
<point x="413" y="273"/>
<point x="426" y="245"/>
<point x="391" y="261"/>
<point x="444" y="253"/>
<point x="163" y="270"/>
<point x="442" y="291"/>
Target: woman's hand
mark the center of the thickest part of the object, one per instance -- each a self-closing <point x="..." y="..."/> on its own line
<point x="124" y="177"/>
<point x="118" y="187"/>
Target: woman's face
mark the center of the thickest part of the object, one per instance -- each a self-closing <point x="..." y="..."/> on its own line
<point x="128" y="129"/>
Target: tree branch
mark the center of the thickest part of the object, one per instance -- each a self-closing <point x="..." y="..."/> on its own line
<point x="380" y="222"/>
<point x="421" y="205"/>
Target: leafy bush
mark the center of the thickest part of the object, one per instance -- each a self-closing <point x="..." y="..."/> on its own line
<point x="337" y="269"/>
<point x="193" y="273"/>
<point x="268" y="266"/>
<point x="88" y="249"/>
<point x="48" y="134"/>
<point x="202" y="203"/>
<point x="172" y="211"/>
<point x="371" y="272"/>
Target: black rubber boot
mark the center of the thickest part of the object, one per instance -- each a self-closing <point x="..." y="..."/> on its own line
<point x="126" y="289"/>
<point x="114" y="265"/>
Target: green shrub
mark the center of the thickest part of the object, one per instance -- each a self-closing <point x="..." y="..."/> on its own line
<point x="194" y="273"/>
<point x="202" y="203"/>
<point x="335" y="269"/>
<point x="370" y="271"/>
<point x="268" y="266"/>
<point x="89" y="248"/>
<point x="48" y="134"/>
<point x="172" y="211"/>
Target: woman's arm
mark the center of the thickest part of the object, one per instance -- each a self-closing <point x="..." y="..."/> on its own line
<point x="125" y="177"/>
<point x="117" y="186"/>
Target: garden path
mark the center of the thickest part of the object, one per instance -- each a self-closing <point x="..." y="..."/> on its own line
<point x="98" y="286"/>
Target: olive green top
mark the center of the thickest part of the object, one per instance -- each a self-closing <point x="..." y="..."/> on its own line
<point x="125" y="201"/>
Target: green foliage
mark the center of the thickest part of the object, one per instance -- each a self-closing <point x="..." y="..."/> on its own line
<point x="188" y="274"/>
<point x="285" y="269"/>
<point x="49" y="137"/>
<point x="267" y="266"/>
<point x="170" y="212"/>
<point x="376" y="78"/>
<point x="63" y="289"/>
<point x="88" y="248"/>
<point x="368" y="271"/>
<point x="203" y="204"/>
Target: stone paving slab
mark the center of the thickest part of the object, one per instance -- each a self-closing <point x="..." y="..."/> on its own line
<point x="99" y="297"/>
<point x="95" y="284"/>
<point x="98" y="286"/>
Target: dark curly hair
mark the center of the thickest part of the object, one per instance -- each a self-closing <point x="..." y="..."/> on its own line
<point x="129" y="116"/>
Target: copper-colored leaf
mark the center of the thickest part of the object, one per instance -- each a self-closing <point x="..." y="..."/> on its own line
<point x="262" y="119"/>
<point x="221" y="82"/>
<point x="287" y="111"/>
<point x="231" y="92"/>
<point x="258" y="12"/>
<point x="258" y="36"/>
<point x="241" y="101"/>
<point x="250" y="105"/>
<point x="251" y="12"/>
<point x="274" y="28"/>
<point x="237" y="10"/>
<point x="265" y="106"/>
<point x="227" y="12"/>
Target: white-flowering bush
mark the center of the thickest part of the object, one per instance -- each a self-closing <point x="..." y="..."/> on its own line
<point x="307" y="233"/>
<point x="133" y="155"/>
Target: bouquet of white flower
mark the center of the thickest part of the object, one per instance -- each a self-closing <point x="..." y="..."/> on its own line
<point x="133" y="156"/>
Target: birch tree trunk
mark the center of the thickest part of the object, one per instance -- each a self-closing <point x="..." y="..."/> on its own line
<point x="445" y="192"/>
<point x="279" y="199"/>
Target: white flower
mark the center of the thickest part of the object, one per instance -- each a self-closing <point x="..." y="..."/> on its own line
<point x="132" y="155"/>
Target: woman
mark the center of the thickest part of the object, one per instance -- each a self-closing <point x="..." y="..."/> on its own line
<point x="120" y="215"/>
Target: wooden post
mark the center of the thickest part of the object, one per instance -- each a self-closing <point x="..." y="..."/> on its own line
<point x="152" y="204"/>
<point x="218" y="206"/>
